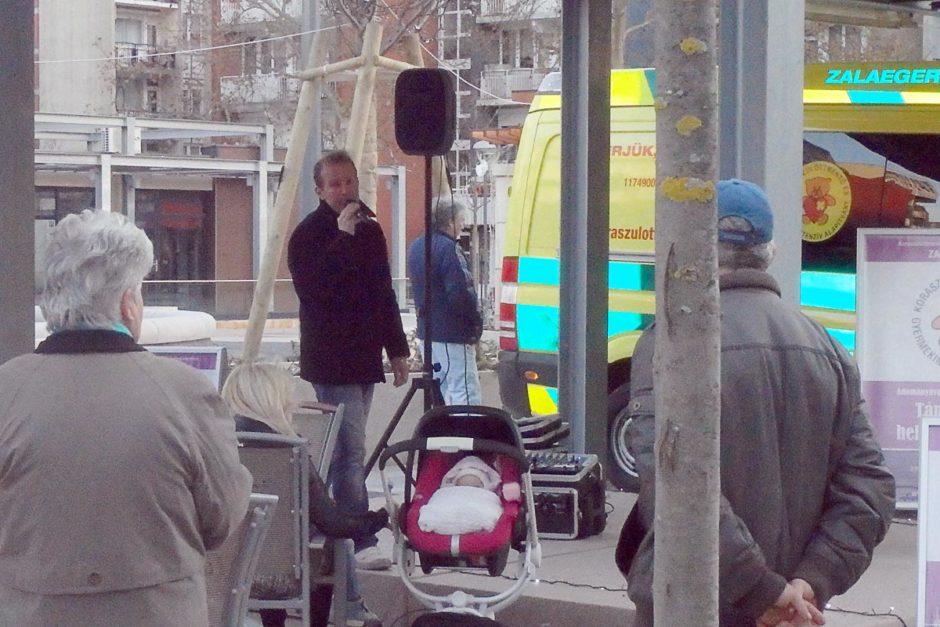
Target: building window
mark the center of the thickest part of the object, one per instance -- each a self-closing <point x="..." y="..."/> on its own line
<point x="128" y="31"/>
<point x="263" y="57"/>
<point x="250" y="57"/>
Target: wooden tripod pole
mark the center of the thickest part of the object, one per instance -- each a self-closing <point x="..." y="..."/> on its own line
<point x="363" y="96"/>
<point x="283" y="204"/>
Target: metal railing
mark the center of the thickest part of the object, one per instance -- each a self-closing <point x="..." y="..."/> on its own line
<point x="519" y="9"/>
<point x="130" y="54"/>
<point x="230" y="299"/>
<point x="503" y="81"/>
<point x="258" y="88"/>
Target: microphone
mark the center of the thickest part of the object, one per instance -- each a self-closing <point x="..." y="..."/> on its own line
<point x="362" y="213"/>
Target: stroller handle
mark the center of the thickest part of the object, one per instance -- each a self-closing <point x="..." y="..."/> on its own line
<point x="453" y="444"/>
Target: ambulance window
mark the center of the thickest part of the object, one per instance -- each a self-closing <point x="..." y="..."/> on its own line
<point x="863" y="180"/>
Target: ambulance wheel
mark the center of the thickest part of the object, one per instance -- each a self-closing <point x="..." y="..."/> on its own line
<point x="621" y="469"/>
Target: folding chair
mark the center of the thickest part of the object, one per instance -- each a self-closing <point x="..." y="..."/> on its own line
<point x="230" y="568"/>
<point x="280" y="465"/>
<point x="319" y="424"/>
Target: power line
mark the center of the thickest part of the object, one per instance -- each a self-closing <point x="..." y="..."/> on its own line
<point x="150" y="55"/>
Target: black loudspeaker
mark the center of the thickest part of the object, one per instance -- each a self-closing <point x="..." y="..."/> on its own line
<point x="425" y="111"/>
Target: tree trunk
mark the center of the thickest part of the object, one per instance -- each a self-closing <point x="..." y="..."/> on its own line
<point x="686" y="364"/>
<point x="617" y="33"/>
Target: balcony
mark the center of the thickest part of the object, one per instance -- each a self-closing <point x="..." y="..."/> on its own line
<point x="255" y="89"/>
<point x="498" y="83"/>
<point x="133" y="59"/>
<point x="518" y="10"/>
<point x="243" y="12"/>
<point x="155" y="5"/>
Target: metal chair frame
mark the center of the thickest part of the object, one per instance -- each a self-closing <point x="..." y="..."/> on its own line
<point x="319" y="424"/>
<point x="230" y="568"/>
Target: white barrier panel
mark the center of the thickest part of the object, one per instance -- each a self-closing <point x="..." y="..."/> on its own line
<point x="928" y="522"/>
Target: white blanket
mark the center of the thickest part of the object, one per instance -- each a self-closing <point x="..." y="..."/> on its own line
<point x="460" y="509"/>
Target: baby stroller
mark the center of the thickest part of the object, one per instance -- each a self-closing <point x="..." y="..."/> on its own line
<point x="443" y="437"/>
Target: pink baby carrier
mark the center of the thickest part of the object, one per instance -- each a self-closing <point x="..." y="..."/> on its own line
<point x="443" y="436"/>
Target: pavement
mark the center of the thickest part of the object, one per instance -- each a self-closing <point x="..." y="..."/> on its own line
<point x="577" y="583"/>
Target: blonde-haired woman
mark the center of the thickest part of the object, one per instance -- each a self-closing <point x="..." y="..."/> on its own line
<point x="262" y="398"/>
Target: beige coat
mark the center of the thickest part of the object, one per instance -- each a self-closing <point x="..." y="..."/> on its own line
<point x="118" y="470"/>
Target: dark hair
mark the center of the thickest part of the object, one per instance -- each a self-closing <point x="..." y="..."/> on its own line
<point x="445" y="212"/>
<point x="334" y="157"/>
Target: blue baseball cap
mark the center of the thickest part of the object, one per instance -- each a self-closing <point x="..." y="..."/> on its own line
<point x="748" y="201"/>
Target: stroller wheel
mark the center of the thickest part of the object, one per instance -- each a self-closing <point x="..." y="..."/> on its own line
<point x="496" y="562"/>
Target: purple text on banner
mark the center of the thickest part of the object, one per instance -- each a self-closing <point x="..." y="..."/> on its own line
<point x="896" y="409"/>
<point x="200" y="361"/>
<point x="902" y="248"/>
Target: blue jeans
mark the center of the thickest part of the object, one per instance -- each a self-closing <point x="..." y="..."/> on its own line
<point x="455" y="367"/>
<point x="347" y="472"/>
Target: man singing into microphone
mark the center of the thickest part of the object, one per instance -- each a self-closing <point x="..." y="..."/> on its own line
<point x="338" y="260"/>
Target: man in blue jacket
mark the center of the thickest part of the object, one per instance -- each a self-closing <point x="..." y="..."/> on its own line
<point x="455" y="323"/>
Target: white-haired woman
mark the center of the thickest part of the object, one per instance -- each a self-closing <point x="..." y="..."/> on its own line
<point x="118" y="468"/>
<point x="261" y="395"/>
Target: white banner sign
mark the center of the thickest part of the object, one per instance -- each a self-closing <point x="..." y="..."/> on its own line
<point x="898" y="342"/>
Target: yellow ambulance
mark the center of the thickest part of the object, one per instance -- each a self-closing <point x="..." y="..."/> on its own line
<point x="871" y="158"/>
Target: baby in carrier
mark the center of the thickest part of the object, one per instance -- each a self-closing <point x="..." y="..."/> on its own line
<point x="468" y="499"/>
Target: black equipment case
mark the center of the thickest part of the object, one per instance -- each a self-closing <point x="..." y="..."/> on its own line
<point x="569" y="495"/>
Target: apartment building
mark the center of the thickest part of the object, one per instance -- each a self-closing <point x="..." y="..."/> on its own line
<point x="124" y="102"/>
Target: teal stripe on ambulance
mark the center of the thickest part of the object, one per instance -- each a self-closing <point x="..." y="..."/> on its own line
<point x="545" y="271"/>
<point x="875" y="97"/>
<point x="538" y="326"/>
<point x="829" y="290"/>
<point x="552" y="394"/>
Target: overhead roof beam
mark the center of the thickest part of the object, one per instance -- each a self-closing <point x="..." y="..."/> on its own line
<point x="841" y="7"/>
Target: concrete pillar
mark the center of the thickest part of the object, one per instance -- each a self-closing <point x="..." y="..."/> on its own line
<point x="761" y="101"/>
<point x="585" y="203"/>
<point x="931" y="37"/>
<point x="398" y="237"/>
<point x="17" y="203"/>
<point x="260" y="217"/>
<point x="103" y="183"/>
<point x="129" y="190"/>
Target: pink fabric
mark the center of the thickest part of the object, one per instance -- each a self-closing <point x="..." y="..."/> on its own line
<point x="433" y="469"/>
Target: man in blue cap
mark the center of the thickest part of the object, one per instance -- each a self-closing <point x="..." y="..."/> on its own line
<point x="806" y="495"/>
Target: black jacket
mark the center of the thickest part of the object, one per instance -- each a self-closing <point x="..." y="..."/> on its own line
<point x="348" y="310"/>
<point x="455" y="317"/>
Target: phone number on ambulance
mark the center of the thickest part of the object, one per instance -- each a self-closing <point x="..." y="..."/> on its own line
<point x="640" y="182"/>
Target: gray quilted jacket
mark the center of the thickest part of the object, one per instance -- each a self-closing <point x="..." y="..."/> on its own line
<point x="805" y="491"/>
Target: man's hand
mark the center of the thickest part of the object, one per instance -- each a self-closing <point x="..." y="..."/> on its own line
<point x="795" y="607"/>
<point x="349" y="217"/>
<point x="400" y="370"/>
